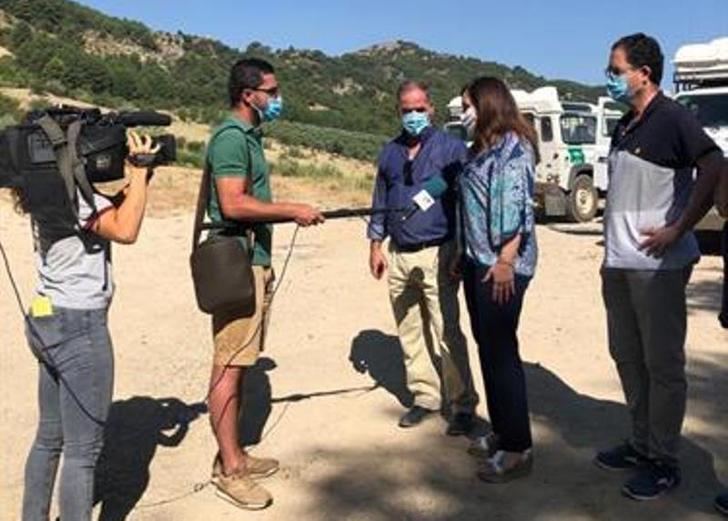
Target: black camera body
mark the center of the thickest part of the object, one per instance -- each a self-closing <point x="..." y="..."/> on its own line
<point x="26" y="149"/>
<point x="55" y="156"/>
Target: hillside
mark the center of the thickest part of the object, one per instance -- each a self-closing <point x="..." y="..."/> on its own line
<point x="336" y="178"/>
<point x="70" y="50"/>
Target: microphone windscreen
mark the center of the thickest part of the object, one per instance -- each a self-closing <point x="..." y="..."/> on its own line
<point x="435" y="186"/>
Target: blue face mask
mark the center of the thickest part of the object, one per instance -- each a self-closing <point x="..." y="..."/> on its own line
<point x="272" y="110"/>
<point x="414" y="123"/>
<point x="618" y="88"/>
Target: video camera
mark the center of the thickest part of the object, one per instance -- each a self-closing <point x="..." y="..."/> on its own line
<point x="55" y="155"/>
<point x="99" y="143"/>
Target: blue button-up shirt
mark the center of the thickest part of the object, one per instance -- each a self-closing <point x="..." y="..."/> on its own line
<point x="399" y="179"/>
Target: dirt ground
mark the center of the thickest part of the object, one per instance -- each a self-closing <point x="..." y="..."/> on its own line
<point x="326" y="397"/>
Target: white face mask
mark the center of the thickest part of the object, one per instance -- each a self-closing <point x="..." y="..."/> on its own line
<point x="468" y="119"/>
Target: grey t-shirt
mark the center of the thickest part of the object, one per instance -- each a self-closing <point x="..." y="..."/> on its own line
<point x="75" y="272"/>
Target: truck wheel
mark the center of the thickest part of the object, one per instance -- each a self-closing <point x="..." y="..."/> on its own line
<point x="583" y="200"/>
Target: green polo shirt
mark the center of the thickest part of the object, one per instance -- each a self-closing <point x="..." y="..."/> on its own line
<point x="236" y="150"/>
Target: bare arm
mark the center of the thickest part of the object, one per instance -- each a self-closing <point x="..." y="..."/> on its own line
<point x="701" y="200"/>
<point x="509" y="252"/>
<point x="710" y="169"/>
<point x="239" y="206"/>
<point x="123" y="221"/>
<point x="377" y="229"/>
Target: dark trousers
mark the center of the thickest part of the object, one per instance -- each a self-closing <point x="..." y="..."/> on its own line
<point x="495" y="329"/>
<point x="724" y="310"/>
<point x="647" y="326"/>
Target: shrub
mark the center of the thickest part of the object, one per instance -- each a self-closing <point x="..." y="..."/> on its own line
<point x="357" y="145"/>
<point x="291" y="168"/>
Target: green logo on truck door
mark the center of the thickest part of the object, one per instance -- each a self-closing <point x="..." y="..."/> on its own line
<point x="576" y="156"/>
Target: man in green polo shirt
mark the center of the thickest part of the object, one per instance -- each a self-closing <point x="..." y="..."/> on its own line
<point x="241" y="193"/>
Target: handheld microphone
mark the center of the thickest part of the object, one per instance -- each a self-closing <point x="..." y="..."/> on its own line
<point x="425" y="198"/>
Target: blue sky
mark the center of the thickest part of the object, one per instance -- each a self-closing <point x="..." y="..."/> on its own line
<point x="555" y="38"/>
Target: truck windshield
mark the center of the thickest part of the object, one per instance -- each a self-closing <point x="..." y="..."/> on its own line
<point x="710" y="109"/>
<point x="577" y="129"/>
<point x="610" y="126"/>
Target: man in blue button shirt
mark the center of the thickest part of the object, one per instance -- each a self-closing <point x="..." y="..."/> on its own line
<point x="423" y="295"/>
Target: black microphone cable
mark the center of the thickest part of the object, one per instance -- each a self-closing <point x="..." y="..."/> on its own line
<point x="50" y="365"/>
<point x="198" y="487"/>
<point x="46" y="359"/>
<point x="43" y="353"/>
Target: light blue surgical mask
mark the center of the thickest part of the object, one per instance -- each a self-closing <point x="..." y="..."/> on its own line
<point x="414" y="123"/>
<point x="272" y="110"/>
<point x="618" y="88"/>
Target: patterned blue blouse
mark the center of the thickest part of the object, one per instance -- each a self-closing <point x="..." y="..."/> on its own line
<point x="496" y="203"/>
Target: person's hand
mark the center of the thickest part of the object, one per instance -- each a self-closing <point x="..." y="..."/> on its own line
<point x="138" y="146"/>
<point x="659" y="239"/>
<point x="306" y="215"/>
<point x="503" y="278"/>
<point x="377" y="262"/>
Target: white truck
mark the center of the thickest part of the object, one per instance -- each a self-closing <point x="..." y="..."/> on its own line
<point x="701" y="84"/>
<point x="573" y="143"/>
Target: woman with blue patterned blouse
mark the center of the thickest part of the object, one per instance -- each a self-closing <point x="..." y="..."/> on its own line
<point x="499" y="243"/>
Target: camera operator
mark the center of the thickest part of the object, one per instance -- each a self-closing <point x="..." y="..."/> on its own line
<point x="68" y="333"/>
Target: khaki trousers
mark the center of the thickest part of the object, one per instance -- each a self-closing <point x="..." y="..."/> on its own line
<point x="425" y="303"/>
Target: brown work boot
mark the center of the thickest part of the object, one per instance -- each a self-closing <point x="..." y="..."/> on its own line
<point x="256" y="468"/>
<point x="242" y="491"/>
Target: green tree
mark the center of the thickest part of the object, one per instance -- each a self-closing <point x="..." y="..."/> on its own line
<point x="55" y="69"/>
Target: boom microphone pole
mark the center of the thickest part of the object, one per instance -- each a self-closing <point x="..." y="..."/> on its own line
<point x="341" y="213"/>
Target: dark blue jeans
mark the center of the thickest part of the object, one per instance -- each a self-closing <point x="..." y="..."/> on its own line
<point x="74" y="396"/>
<point x="495" y="328"/>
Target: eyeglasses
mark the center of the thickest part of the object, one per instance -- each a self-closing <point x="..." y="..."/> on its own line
<point x="613" y="72"/>
<point x="272" y="91"/>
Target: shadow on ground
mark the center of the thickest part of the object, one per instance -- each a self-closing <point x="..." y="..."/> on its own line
<point x="380" y="355"/>
<point x="434" y="480"/>
<point x="134" y="429"/>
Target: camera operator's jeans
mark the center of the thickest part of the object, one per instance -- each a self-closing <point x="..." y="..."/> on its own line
<point x="74" y="396"/>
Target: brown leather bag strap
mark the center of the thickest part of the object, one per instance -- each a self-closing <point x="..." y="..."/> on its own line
<point x="203" y="197"/>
